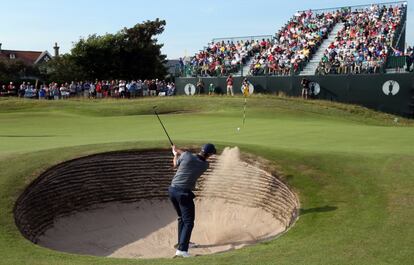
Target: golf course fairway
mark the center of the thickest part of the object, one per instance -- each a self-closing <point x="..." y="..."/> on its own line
<point x="351" y="168"/>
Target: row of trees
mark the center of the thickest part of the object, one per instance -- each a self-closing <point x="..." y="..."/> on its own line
<point x="128" y="54"/>
<point x="14" y="70"/>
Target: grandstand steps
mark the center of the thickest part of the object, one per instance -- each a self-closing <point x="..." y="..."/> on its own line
<point x="312" y="65"/>
<point x="245" y="69"/>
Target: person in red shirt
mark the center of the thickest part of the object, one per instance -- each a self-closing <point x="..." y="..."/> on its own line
<point x="11" y="89"/>
<point x="98" y="89"/>
<point x="230" y="82"/>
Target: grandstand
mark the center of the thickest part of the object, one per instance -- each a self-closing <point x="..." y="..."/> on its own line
<point x="342" y="40"/>
<point x="349" y="54"/>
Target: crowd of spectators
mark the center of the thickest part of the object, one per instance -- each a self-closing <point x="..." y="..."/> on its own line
<point x="294" y="44"/>
<point x="364" y="43"/>
<point x="88" y="89"/>
<point x="362" y="46"/>
<point x="222" y="58"/>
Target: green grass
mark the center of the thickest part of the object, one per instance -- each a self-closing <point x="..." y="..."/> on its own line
<point x="352" y="168"/>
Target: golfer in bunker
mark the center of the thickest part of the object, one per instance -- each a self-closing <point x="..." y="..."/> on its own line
<point x="189" y="168"/>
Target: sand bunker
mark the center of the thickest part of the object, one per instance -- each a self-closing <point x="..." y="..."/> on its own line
<point x="115" y="204"/>
<point x="149" y="229"/>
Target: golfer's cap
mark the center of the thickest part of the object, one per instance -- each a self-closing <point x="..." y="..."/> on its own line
<point x="209" y="149"/>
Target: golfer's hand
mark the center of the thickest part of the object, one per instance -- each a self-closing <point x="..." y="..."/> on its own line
<point x="173" y="150"/>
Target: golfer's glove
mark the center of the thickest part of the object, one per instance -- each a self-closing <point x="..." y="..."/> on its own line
<point x="173" y="151"/>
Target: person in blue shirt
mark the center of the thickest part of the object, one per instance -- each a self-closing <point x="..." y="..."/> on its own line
<point x="189" y="168"/>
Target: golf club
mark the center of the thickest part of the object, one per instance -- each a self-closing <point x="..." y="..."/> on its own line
<point x="155" y="111"/>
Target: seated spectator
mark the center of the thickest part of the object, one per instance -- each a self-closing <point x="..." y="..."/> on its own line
<point x="363" y="45"/>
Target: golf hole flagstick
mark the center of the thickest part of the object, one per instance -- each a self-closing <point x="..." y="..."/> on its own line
<point x="155" y="111"/>
<point x="245" y="94"/>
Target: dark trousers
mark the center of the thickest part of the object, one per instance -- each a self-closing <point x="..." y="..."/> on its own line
<point x="182" y="199"/>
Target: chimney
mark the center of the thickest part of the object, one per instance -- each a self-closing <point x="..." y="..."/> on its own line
<point x="56" y="50"/>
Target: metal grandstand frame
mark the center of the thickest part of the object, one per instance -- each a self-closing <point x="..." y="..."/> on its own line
<point x="354" y="7"/>
<point x="244" y="38"/>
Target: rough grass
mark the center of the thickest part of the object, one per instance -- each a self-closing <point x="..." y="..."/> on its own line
<point x="352" y="168"/>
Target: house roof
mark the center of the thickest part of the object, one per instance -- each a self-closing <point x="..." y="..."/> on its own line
<point x="28" y="57"/>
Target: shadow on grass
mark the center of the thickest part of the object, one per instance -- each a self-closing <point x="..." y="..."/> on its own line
<point x="323" y="209"/>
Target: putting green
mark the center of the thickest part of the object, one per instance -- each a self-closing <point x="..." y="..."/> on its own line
<point x="352" y="169"/>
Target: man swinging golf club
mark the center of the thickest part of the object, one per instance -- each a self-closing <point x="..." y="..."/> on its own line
<point x="190" y="168"/>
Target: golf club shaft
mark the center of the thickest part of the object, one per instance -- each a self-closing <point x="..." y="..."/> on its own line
<point x="163" y="127"/>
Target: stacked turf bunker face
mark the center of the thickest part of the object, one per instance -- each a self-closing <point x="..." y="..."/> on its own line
<point x="115" y="204"/>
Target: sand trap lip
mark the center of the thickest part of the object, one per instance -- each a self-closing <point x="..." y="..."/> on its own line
<point x="238" y="204"/>
<point x="148" y="229"/>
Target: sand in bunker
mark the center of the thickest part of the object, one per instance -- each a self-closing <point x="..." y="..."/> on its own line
<point x="148" y="229"/>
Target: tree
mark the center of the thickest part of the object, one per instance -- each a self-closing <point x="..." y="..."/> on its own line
<point x="62" y="69"/>
<point x="129" y="54"/>
<point x="14" y="70"/>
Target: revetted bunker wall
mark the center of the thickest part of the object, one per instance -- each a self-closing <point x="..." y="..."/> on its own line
<point x="130" y="176"/>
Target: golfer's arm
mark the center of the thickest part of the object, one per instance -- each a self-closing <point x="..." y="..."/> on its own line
<point x="175" y="161"/>
<point x="179" y="152"/>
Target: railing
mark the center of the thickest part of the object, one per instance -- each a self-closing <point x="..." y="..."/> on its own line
<point x="194" y="71"/>
<point x="395" y="62"/>
<point x="245" y="38"/>
<point x="355" y="7"/>
<point x="400" y="31"/>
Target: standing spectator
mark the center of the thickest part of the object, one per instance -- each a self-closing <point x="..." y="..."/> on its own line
<point x="230" y="84"/>
<point x="105" y="88"/>
<point x="98" y="89"/>
<point x="305" y="88"/>
<point x="200" y="86"/>
<point x="121" y="88"/>
<point x="79" y="89"/>
<point x="72" y="89"/>
<point x="92" y="90"/>
<point x="64" y="91"/>
<point x="132" y="89"/>
<point x="22" y="90"/>
<point x="245" y="87"/>
<point x="30" y="92"/>
<point x="3" y="91"/>
<point x="139" y="88"/>
<point x="145" y="88"/>
<point x="153" y="88"/>
<point x="211" y="89"/>
<point x="86" y="87"/>
<point x="55" y="91"/>
<point x="409" y="59"/>
<point x="48" y="95"/>
<point x="11" y="89"/>
<point x="181" y="63"/>
<point x="42" y="92"/>
<point x="171" y="89"/>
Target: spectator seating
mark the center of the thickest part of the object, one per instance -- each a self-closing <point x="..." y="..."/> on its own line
<point x="364" y="43"/>
<point x="361" y="46"/>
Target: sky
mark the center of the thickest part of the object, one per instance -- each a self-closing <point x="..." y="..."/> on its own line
<point x="37" y="25"/>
